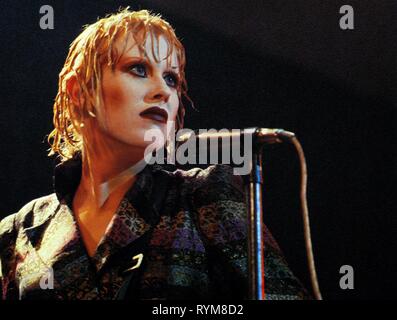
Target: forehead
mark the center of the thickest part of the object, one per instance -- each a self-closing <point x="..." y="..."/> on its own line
<point x="155" y="47"/>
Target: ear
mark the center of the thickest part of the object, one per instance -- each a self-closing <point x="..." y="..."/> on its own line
<point x="73" y="90"/>
<point x="74" y="93"/>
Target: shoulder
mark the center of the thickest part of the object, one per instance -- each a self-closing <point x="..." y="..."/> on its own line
<point x="11" y="228"/>
<point x="32" y="213"/>
<point x="219" y="178"/>
<point x="217" y="200"/>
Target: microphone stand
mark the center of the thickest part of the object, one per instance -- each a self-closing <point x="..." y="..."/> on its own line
<point x="256" y="259"/>
<point x="260" y="137"/>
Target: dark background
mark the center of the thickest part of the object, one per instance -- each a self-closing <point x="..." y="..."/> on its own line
<point x="275" y="64"/>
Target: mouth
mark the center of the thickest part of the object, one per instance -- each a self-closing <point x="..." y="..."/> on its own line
<point x="156" y="114"/>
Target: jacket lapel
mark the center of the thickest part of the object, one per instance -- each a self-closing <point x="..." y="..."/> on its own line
<point x="125" y="227"/>
<point x="130" y="222"/>
<point x="132" y="219"/>
<point x="54" y="243"/>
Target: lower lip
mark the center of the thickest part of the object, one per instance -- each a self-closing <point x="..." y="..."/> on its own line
<point x="155" y="117"/>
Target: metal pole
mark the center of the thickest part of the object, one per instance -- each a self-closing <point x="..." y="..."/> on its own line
<point x="255" y="235"/>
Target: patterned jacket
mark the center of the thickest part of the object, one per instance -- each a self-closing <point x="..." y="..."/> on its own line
<point x="195" y="246"/>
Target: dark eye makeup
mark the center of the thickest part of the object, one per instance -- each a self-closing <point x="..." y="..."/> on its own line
<point x="140" y="69"/>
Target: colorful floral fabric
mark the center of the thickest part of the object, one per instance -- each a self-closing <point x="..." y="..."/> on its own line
<point x="195" y="248"/>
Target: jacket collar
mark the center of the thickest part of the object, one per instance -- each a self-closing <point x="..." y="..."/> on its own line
<point x="133" y="218"/>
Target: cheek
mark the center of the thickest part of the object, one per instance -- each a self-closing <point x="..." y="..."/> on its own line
<point x="117" y="90"/>
<point x="118" y="106"/>
<point x="114" y="94"/>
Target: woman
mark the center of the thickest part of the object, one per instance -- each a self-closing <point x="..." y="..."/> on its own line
<point x="114" y="229"/>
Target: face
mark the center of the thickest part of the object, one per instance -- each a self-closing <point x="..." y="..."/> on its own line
<point x="136" y="84"/>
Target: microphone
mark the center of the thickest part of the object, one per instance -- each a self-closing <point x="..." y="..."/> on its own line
<point x="260" y="135"/>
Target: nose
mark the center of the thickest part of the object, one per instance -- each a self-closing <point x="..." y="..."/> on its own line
<point x="159" y="92"/>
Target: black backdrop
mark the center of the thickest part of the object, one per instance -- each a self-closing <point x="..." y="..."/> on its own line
<point x="283" y="64"/>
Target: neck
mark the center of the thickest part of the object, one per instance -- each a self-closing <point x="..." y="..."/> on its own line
<point x="98" y="168"/>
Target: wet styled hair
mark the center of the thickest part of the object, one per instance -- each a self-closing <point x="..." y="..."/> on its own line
<point x="94" y="47"/>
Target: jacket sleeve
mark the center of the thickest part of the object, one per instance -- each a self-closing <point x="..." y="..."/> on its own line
<point x="8" y="288"/>
<point x="220" y="203"/>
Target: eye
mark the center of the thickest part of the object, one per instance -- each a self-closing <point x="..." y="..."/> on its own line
<point x="139" y="70"/>
<point x="171" y="79"/>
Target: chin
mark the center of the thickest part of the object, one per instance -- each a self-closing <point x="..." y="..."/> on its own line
<point x="135" y="141"/>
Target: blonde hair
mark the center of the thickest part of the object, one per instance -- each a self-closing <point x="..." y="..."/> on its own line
<point x="87" y="53"/>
